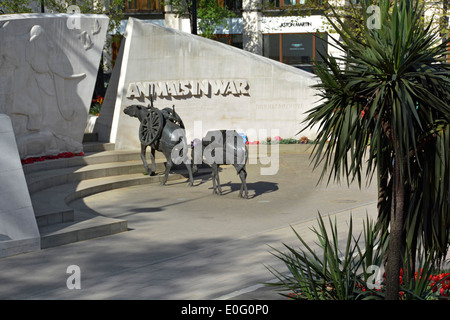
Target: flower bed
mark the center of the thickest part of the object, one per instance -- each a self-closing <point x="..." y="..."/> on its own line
<point x="438" y="286"/>
<point x="279" y="140"/>
<point x="96" y="106"/>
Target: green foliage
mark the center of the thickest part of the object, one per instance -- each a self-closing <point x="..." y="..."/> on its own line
<point x="417" y="284"/>
<point x="281" y="141"/>
<point x="289" y="141"/>
<point x="306" y="8"/>
<point x="210" y="14"/>
<point x="95" y="109"/>
<point x="346" y="268"/>
<point x="336" y="271"/>
<point x="391" y="90"/>
<point x="113" y="8"/>
<point x="15" y="6"/>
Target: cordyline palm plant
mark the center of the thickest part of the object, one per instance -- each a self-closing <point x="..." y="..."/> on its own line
<point x="339" y="272"/>
<point x="387" y="102"/>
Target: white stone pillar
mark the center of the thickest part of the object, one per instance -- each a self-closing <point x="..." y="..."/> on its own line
<point x="251" y="24"/>
<point x="171" y="19"/>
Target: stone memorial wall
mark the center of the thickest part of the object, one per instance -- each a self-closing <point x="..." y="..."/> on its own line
<point x="48" y="69"/>
<point x="212" y="86"/>
<point x="18" y="228"/>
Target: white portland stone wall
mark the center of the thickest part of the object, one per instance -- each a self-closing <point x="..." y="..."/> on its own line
<point x="18" y="228"/>
<point x="211" y="85"/>
<point x="48" y="68"/>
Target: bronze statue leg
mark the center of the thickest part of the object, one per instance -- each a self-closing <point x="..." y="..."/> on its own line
<point x="166" y="173"/>
<point x="217" y="180"/>
<point x="152" y="157"/>
<point x="144" y="161"/>
<point x="243" y="176"/>
<point x="191" y="178"/>
<point x="213" y="177"/>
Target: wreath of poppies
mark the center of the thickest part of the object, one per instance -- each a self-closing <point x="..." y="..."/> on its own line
<point x="51" y="157"/>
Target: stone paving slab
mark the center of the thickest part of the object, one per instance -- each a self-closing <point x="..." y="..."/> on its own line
<point x="186" y="243"/>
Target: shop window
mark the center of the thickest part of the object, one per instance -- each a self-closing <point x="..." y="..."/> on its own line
<point x="286" y="3"/>
<point x="271" y="49"/>
<point x="298" y="50"/>
<point x="271" y="3"/>
<point x="292" y="2"/>
<point x="232" y="5"/>
<point x="234" y="40"/>
<point x="142" y="6"/>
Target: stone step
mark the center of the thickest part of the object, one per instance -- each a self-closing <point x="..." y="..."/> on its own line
<point x="51" y="205"/>
<point x="94" y="146"/>
<point x="87" y="159"/>
<point x="40" y="180"/>
<point x="60" y="224"/>
<point x="54" y="184"/>
<point x="84" y="226"/>
<point x="54" y="216"/>
<point x="89" y="187"/>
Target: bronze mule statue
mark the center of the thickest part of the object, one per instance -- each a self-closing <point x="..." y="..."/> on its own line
<point x="161" y="130"/>
<point x="222" y="147"/>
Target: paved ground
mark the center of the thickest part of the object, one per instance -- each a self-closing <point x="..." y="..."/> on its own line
<point x="186" y="243"/>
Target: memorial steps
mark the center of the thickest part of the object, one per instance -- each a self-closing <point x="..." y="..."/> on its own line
<point x="54" y="184"/>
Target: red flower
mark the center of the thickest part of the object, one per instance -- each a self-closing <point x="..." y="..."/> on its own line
<point x="277" y="138"/>
<point x="66" y="155"/>
<point x="98" y="100"/>
<point x="50" y="157"/>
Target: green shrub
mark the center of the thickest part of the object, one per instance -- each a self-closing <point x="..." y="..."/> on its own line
<point x="345" y="271"/>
